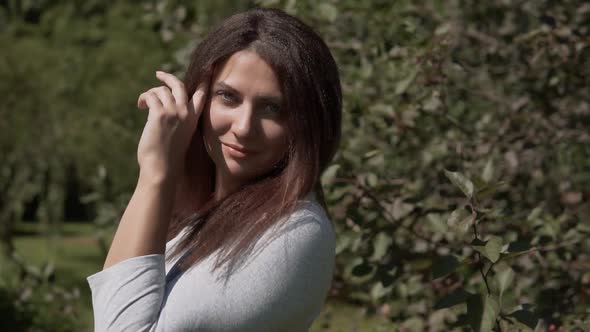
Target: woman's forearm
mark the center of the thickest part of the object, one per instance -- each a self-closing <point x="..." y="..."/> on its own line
<point x="144" y="224"/>
<point x="171" y="123"/>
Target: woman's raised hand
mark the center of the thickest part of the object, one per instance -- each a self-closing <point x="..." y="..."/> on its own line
<point x="171" y="123"/>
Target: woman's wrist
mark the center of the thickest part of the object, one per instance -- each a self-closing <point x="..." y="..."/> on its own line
<point x="143" y="226"/>
<point x="157" y="180"/>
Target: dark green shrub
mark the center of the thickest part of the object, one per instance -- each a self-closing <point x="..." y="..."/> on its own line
<point x="30" y="301"/>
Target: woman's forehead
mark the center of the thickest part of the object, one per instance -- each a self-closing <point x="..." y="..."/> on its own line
<point x="246" y="72"/>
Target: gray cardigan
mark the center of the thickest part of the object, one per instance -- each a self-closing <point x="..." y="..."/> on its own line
<point x="280" y="286"/>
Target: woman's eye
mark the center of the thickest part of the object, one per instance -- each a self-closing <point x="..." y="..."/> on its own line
<point x="226" y="96"/>
<point x="273" y="108"/>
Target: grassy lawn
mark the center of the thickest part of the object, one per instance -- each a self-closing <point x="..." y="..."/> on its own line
<point x="76" y="255"/>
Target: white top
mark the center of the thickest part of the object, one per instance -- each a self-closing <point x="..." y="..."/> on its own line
<point x="280" y="286"/>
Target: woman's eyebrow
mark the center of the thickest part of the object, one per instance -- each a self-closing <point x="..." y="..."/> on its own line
<point x="223" y="85"/>
<point x="259" y="98"/>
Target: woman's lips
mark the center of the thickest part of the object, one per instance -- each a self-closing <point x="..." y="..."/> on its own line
<point x="235" y="151"/>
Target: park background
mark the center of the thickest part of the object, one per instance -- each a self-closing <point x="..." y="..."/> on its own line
<point x="460" y="193"/>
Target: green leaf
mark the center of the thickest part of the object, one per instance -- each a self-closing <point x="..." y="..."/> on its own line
<point x="371" y="153"/>
<point x="381" y="244"/>
<point x="535" y="213"/>
<point x="403" y="85"/>
<point x="461" y="182"/>
<point x="444" y="265"/>
<point x="400" y="209"/>
<point x="478" y="183"/>
<point x="489" y="190"/>
<point x="34" y="271"/>
<point x="504" y="278"/>
<point x="525" y="317"/>
<point x="413" y="324"/>
<point x="48" y="269"/>
<point x="490" y="249"/>
<point x="433" y="103"/>
<point x="90" y="198"/>
<point x="330" y="174"/>
<point x="359" y="271"/>
<point x="344" y="242"/>
<point x="458" y="296"/>
<point x="482" y="311"/>
<point x="436" y="222"/>
<point x="372" y="180"/>
<point x="360" y="296"/>
<point x="328" y="11"/>
<point x="460" y="220"/>
<point x="583" y="227"/>
<point x="488" y="171"/>
<point x="378" y="290"/>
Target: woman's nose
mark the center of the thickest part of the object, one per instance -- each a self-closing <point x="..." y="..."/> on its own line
<point x="243" y="120"/>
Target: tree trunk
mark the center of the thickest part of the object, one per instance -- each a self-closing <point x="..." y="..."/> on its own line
<point x="6" y="235"/>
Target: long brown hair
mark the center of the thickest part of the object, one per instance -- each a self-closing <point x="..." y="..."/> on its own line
<point x="310" y="84"/>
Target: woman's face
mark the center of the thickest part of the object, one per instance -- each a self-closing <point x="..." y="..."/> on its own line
<point x="244" y="127"/>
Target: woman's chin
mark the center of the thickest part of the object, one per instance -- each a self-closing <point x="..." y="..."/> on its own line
<point x="238" y="171"/>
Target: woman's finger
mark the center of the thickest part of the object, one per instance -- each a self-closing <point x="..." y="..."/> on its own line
<point x="149" y="100"/>
<point x="165" y="96"/>
<point x="141" y="104"/>
<point x="175" y="85"/>
<point x="198" y="100"/>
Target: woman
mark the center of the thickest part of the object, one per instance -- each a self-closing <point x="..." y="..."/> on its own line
<point x="224" y="231"/>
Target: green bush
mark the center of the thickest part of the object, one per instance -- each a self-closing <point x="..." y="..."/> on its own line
<point x="30" y="301"/>
<point x="462" y="180"/>
<point x="460" y="192"/>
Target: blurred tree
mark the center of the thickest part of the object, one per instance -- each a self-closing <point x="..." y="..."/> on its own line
<point x="462" y="180"/>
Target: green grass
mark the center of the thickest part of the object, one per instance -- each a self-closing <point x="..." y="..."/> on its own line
<point x="76" y="255"/>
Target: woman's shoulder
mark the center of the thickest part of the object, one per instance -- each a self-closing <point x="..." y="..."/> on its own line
<point x="304" y="239"/>
<point x="309" y="207"/>
<point x="307" y="225"/>
<point x="307" y="228"/>
<point x="308" y="210"/>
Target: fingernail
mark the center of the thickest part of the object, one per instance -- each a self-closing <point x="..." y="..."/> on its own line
<point x="158" y="72"/>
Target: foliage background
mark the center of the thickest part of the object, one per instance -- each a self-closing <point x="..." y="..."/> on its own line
<point x="460" y="192"/>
